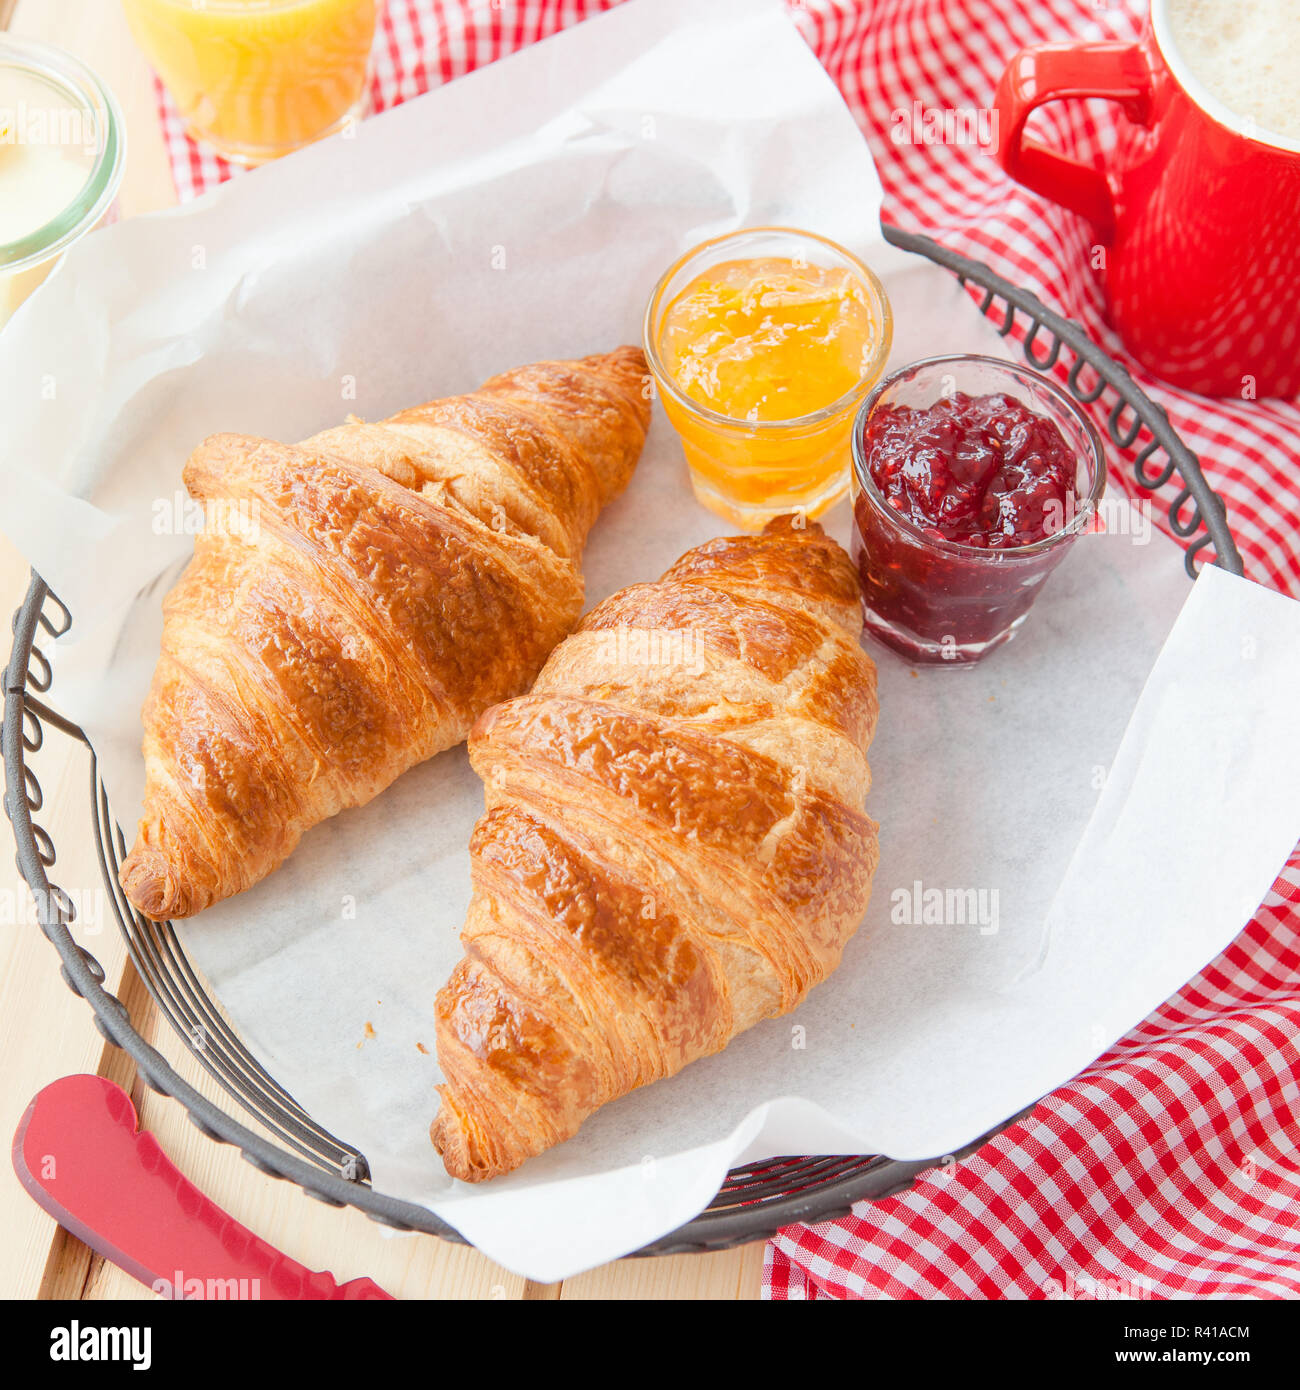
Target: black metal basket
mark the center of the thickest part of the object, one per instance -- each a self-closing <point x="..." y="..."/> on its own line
<point x="288" y="1143"/>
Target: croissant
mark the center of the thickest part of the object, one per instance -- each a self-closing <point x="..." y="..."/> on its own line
<point x="369" y="593"/>
<point x="674" y="845"/>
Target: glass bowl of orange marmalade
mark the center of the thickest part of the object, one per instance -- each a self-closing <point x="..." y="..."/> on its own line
<point x="763" y="343"/>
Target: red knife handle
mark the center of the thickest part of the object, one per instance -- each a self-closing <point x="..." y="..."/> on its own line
<point x="80" y="1155"/>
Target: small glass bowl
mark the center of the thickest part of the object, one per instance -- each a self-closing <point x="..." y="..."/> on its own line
<point x="937" y="600"/>
<point x="63" y="105"/>
<point x="752" y="471"/>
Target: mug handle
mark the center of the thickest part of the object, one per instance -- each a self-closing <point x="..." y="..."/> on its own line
<point x="1052" y="72"/>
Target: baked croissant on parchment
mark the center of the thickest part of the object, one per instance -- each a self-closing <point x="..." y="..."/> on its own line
<point x="386" y="584"/>
<point x="674" y="845"/>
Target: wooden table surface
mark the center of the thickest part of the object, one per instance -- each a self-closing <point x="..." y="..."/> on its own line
<point x="46" y="1032"/>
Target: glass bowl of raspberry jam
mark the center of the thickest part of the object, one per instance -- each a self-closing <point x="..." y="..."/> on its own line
<point x="971" y="479"/>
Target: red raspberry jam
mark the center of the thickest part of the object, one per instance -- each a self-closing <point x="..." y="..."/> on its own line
<point x="984" y="471"/>
<point x="962" y="486"/>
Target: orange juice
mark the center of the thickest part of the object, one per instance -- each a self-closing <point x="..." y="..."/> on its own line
<point x="258" y="78"/>
<point x="762" y="361"/>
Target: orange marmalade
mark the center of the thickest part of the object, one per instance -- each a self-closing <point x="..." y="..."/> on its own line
<point x="768" y="339"/>
<point x="762" y="362"/>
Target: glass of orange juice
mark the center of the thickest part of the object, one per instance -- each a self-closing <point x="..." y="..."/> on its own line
<point x="763" y="343"/>
<point x="259" y="78"/>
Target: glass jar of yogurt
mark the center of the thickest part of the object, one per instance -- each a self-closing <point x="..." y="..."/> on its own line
<point x="61" y="153"/>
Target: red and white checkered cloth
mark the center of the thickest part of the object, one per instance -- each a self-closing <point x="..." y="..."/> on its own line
<point x="1169" y="1168"/>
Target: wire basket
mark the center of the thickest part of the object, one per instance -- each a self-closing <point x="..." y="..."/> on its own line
<point x="272" y="1131"/>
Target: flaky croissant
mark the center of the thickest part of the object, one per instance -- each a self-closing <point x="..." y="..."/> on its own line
<point x="384" y="584"/>
<point x="674" y="845"/>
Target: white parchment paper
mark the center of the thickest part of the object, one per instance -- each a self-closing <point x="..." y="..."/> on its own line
<point x="525" y="212"/>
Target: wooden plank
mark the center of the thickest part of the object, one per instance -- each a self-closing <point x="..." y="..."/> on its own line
<point x="730" y="1274"/>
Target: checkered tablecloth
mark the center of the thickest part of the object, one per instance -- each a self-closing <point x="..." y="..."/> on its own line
<point x="1169" y="1168"/>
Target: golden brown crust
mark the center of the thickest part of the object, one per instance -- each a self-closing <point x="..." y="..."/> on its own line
<point x="674" y="845"/>
<point x="389" y="583"/>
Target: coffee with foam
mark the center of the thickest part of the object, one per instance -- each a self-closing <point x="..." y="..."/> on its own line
<point x="1247" y="54"/>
